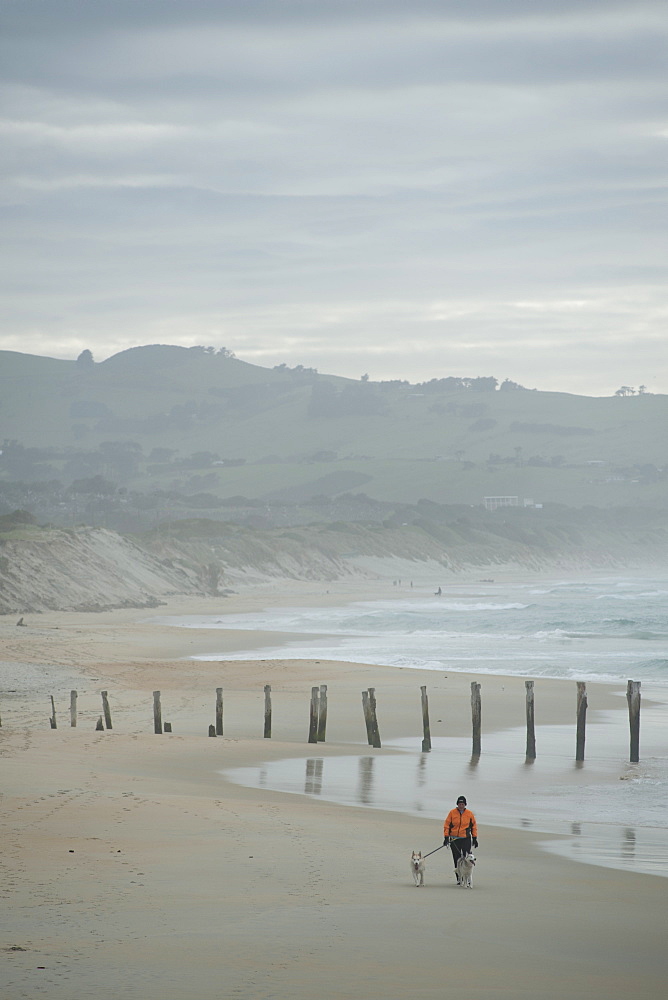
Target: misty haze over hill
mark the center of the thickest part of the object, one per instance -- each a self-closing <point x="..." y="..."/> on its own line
<point x="160" y="432"/>
<point x="226" y="473"/>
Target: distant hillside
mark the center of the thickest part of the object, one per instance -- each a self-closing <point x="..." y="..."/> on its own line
<point x="191" y="421"/>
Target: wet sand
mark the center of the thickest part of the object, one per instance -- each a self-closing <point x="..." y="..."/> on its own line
<point x="133" y="867"/>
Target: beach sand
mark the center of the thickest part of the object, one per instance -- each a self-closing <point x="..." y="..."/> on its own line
<point x="132" y="867"/>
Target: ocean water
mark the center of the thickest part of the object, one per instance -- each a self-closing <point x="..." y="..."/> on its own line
<point x="606" y="629"/>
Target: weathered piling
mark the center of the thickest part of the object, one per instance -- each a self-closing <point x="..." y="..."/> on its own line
<point x="322" y="713"/>
<point x="106" y="710"/>
<point x="367" y="717"/>
<point x="52" y="720"/>
<point x="531" y="729"/>
<point x="476" y="716"/>
<point x="219" y="711"/>
<point x="633" y="699"/>
<point x="313" y="717"/>
<point x="267" y="711"/>
<point x="73" y="708"/>
<point x="167" y="727"/>
<point x="99" y="725"/>
<point x="212" y="730"/>
<point x="426" y="730"/>
<point x="157" y="713"/>
<point x="581" y="720"/>
<point x="375" y="733"/>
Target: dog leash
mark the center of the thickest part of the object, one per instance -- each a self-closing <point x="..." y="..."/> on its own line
<point x="438" y="848"/>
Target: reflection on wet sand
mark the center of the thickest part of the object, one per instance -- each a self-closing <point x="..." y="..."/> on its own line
<point x="365" y="787"/>
<point x="313" y="778"/>
<point x="581" y="805"/>
<point x="420" y="782"/>
<point x="629" y="844"/>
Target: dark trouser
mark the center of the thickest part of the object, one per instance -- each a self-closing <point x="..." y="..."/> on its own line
<point x="462" y="845"/>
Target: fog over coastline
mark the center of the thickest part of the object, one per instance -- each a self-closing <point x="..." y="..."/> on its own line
<point x="408" y="192"/>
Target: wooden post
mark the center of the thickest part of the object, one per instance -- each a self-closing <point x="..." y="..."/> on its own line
<point x="212" y="730"/>
<point x="52" y="720"/>
<point x="476" y="716"/>
<point x="375" y="734"/>
<point x="167" y="727"/>
<point x="99" y="725"/>
<point x="531" y="730"/>
<point x="267" y="711"/>
<point x="106" y="709"/>
<point x="313" y="720"/>
<point x="322" y="713"/>
<point x="367" y="717"/>
<point x="219" y="711"/>
<point x="426" y="731"/>
<point x="73" y="708"/>
<point x="581" y="719"/>
<point x="157" y="713"/>
<point x="633" y="699"/>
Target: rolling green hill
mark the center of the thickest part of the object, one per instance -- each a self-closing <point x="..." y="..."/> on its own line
<point x="161" y="418"/>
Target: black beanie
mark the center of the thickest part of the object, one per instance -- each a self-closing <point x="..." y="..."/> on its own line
<point x="462" y="798"/>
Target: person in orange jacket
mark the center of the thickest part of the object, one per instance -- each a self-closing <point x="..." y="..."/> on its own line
<point x="460" y="830"/>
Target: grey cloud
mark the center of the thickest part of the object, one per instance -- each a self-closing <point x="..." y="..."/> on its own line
<point x="336" y="180"/>
<point x="83" y="17"/>
<point x="184" y="44"/>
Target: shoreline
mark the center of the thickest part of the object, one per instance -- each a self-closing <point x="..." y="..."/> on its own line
<point x="293" y="630"/>
<point x="132" y="863"/>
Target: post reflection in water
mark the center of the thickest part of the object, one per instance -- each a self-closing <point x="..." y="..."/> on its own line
<point x="365" y="789"/>
<point x="313" y="778"/>
<point x="507" y="793"/>
<point x="420" y="781"/>
<point x="629" y="844"/>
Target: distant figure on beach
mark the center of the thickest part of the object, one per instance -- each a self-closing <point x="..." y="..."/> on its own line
<point x="439" y="592"/>
<point x="460" y="830"/>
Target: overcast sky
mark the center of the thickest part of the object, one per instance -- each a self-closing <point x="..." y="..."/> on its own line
<point x="404" y="188"/>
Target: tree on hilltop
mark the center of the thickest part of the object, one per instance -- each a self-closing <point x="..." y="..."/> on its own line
<point x="509" y="384"/>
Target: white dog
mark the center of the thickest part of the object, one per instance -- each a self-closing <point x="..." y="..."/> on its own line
<point x="465" y="866"/>
<point x="417" y="867"/>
